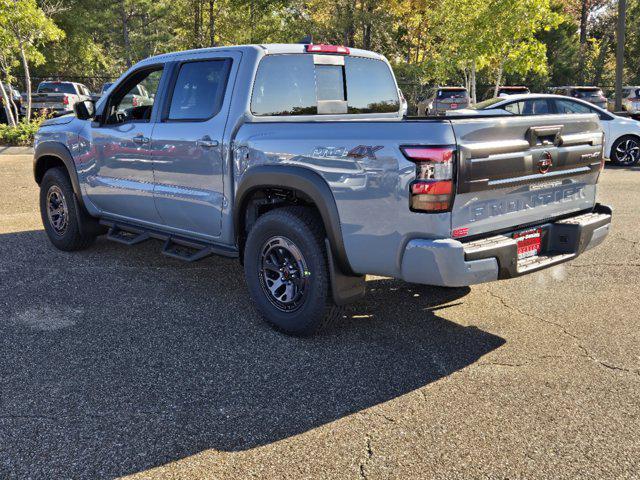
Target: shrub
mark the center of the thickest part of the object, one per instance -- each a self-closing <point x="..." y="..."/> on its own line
<point x="22" y="134"/>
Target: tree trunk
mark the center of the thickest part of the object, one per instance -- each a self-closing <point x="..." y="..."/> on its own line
<point x="367" y="10"/>
<point x="27" y="78"/>
<point x="212" y="24"/>
<point x="125" y="33"/>
<point x="7" y="106"/>
<point x="602" y="55"/>
<point x="584" y="15"/>
<point x="474" y="98"/>
<point x="196" y="25"/>
<point x="498" y="78"/>
<point x="349" y="31"/>
<point x="620" y="38"/>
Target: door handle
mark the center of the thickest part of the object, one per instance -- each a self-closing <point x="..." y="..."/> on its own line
<point x="206" y="142"/>
<point x="140" y="139"/>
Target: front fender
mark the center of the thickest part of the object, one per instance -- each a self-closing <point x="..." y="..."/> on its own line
<point x="44" y="153"/>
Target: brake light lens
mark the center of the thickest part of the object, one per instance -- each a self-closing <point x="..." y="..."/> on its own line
<point x="135" y="102"/>
<point x="311" y="48"/>
<point x="432" y="190"/>
<point x="65" y="100"/>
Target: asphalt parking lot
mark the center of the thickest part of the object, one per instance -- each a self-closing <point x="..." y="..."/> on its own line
<point x="119" y="361"/>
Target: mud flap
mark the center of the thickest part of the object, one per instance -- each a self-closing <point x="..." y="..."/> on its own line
<point x="344" y="288"/>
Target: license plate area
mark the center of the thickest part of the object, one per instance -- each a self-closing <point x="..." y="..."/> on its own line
<point x="529" y="242"/>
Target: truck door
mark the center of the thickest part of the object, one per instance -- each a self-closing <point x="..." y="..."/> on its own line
<point x="188" y="145"/>
<point x="120" y="183"/>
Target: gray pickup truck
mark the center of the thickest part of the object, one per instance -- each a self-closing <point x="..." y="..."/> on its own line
<point x="297" y="160"/>
<point x="57" y="98"/>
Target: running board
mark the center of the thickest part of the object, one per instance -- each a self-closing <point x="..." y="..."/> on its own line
<point x="182" y="248"/>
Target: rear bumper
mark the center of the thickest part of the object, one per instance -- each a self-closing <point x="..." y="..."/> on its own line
<point x="448" y="262"/>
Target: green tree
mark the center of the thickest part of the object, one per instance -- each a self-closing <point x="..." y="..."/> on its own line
<point x="29" y="29"/>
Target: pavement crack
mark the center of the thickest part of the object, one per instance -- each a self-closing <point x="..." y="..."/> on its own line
<point x="603" y="264"/>
<point x="633" y="242"/>
<point x="368" y="456"/>
<point x="577" y="340"/>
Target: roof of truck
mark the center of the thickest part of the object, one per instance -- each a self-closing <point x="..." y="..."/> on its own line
<point x="267" y="48"/>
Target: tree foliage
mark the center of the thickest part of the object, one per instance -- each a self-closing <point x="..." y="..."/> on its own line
<point x="487" y="42"/>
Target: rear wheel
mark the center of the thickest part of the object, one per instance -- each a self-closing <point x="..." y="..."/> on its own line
<point x="286" y="271"/>
<point x="61" y="216"/>
<point x="626" y="151"/>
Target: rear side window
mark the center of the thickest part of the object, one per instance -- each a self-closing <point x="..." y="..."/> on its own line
<point x="285" y="85"/>
<point x="567" y="106"/>
<point x="294" y="85"/>
<point x="529" y="107"/>
<point x="370" y="86"/>
<point x="199" y="90"/>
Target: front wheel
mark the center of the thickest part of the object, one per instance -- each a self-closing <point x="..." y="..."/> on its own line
<point x="626" y="151"/>
<point x="61" y="215"/>
<point x="286" y="271"/>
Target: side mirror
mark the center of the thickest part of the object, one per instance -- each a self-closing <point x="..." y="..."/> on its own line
<point x="84" y="110"/>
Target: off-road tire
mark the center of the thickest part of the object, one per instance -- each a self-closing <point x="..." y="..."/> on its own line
<point x="304" y="229"/>
<point x="73" y="236"/>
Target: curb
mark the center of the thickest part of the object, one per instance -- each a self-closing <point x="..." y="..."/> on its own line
<point x="4" y="150"/>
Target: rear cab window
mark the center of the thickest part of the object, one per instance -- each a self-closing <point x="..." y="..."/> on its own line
<point x="451" y="94"/>
<point x="56" y="87"/>
<point x="311" y="84"/>
<point x="587" y="93"/>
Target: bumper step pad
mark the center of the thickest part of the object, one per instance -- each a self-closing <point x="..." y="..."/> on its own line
<point x="562" y="240"/>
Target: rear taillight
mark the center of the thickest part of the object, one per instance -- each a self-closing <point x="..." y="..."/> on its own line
<point x="135" y="102"/>
<point x="432" y="190"/>
<point x="65" y="100"/>
<point x="310" y="48"/>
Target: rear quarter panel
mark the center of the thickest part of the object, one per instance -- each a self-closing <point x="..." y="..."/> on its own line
<point x="371" y="191"/>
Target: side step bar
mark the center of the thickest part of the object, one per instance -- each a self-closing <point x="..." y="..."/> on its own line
<point x="125" y="237"/>
<point x="174" y="246"/>
<point x="188" y="253"/>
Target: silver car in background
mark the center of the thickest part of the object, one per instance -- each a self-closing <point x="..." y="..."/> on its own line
<point x="440" y="100"/>
<point x="589" y="94"/>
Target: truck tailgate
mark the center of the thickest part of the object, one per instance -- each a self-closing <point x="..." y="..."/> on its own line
<point x="516" y="171"/>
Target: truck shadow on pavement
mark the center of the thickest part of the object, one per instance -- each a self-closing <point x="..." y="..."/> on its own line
<point x="117" y="359"/>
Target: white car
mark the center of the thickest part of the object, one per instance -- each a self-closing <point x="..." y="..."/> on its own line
<point x="630" y="100"/>
<point x="622" y="135"/>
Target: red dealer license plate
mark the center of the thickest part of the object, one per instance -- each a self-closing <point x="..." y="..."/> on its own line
<point x="454" y="105"/>
<point x="529" y="242"/>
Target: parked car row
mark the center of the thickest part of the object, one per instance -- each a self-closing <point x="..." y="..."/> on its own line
<point x="57" y="98"/>
<point x="440" y="100"/>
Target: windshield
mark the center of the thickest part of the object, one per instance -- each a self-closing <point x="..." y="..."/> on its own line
<point x="56" y="87"/>
<point x="442" y="94"/>
<point x="587" y="93"/>
<point x="486" y="103"/>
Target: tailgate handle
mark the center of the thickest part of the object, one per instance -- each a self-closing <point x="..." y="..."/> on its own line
<point x="549" y="135"/>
